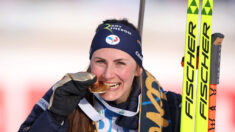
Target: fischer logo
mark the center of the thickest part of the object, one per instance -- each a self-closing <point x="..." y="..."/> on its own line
<point x="112" y="39"/>
<point x="204" y="86"/>
<point x="138" y="55"/>
<point x="190" y="78"/>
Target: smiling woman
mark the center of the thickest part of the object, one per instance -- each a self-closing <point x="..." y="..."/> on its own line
<point x="134" y="100"/>
<point x="116" y="69"/>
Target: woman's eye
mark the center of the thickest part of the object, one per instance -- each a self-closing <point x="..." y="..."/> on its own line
<point x="121" y="63"/>
<point x="100" y="61"/>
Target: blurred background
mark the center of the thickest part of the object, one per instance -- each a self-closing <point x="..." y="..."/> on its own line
<point x="41" y="40"/>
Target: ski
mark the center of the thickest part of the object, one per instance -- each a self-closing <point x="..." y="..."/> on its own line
<point x="216" y="39"/>
<point x="189" y="75"/>
<point x="203" y="80"/>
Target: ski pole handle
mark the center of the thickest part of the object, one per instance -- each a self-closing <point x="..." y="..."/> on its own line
<point x="217" y="39"/>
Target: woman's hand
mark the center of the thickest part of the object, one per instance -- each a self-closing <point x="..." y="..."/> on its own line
<point x="69" y="91"/>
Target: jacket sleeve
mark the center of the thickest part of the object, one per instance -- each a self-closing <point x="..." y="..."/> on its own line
<point x="40" y="120"/>
<point x="174" y="102"/>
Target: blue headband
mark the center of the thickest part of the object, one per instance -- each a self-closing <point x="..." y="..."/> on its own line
<point x="118" y="36"/>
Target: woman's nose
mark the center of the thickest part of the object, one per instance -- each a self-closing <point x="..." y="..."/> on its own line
<point x="108" y="72"/>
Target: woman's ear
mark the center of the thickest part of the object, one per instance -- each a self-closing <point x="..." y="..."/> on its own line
<point x="139" y="71"/>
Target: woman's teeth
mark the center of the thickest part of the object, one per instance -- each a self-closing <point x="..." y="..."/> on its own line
<point x="112" y="85"/>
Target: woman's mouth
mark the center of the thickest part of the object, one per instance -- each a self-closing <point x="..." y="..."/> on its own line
<point x="113" y="85"/>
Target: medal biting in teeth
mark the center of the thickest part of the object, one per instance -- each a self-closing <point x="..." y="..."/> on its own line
<point x="99" y="87"/>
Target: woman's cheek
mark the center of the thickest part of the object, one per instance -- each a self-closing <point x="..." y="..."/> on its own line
<point x="96" y="70"/>
<point x="126" y="73"/>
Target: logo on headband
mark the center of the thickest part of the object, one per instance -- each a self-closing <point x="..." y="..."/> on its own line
<point x="108" y="27"/>
<point x="117" y="28"/>
<point x="112" y="39"/>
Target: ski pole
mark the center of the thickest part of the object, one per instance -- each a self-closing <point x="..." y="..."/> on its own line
<point x="141" y="16"/>
<point x="217" y="39"/>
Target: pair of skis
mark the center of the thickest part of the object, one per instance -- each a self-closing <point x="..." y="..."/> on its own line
<point x="201" y="119"/>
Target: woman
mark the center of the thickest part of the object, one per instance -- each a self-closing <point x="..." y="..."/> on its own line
<point x="133" y="100"/>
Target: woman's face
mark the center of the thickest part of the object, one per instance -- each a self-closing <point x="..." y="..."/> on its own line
<point x="116" y="69"/>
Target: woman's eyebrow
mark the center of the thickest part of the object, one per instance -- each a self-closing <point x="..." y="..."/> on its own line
<point x="99" y="58"/>
<point x="121" y="59"/>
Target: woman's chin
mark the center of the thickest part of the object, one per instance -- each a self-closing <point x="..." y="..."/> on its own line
<point x="109" y="96"/>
